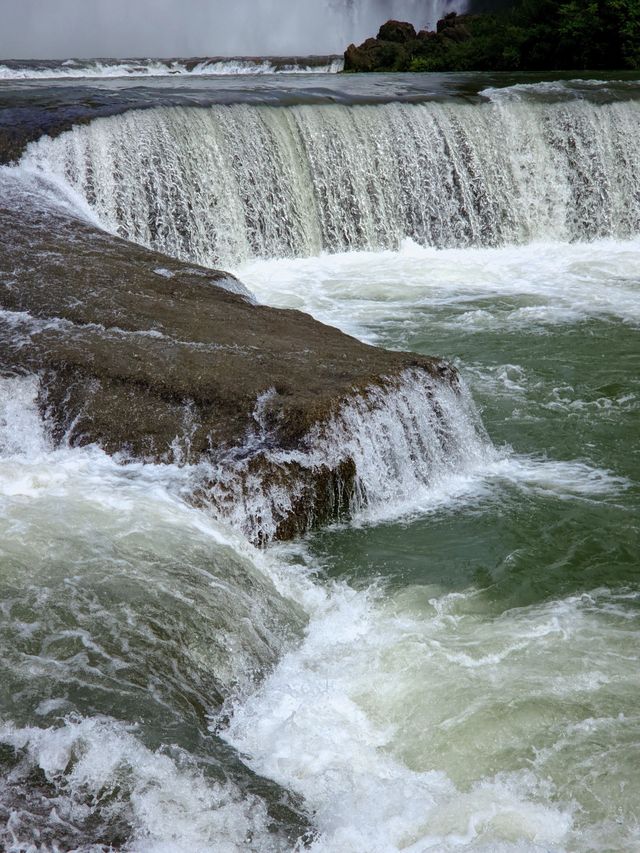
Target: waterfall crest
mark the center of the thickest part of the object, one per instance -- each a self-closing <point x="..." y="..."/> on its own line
<point x="184" y="180"/>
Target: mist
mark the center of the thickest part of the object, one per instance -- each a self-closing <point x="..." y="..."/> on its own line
<point x="60" y="29"/>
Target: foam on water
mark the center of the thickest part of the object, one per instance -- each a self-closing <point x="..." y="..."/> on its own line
<point x="64" y="510"/>
<point x="97" y="768"/>
<point x="341" y="719"/>
<point x="516" y="287"/>
<point x="557" y="89"/>
<point x="83" y="69"/>
<point x="84" y="541"/>
<point x="344" y="720"/>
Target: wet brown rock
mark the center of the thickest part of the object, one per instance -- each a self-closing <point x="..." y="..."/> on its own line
<point x="150" y="357"/>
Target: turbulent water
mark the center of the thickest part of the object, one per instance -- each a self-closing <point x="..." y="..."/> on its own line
<point x="456" y="668"/>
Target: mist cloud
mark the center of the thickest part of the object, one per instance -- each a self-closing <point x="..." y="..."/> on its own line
<point x="58" y="29"/>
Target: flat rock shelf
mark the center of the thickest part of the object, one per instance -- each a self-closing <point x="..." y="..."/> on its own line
<point x="168" y="362"/>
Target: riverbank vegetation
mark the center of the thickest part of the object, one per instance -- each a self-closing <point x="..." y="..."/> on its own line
<point x="530" y="35"/>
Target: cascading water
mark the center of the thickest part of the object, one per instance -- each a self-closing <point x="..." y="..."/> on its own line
<point x="78" y="69"/>
<point x="210" y="625"/>
<point x="332" y="178"/>
<point x="414" y="437"/>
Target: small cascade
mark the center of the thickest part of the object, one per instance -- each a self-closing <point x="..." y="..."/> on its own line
<point x="510" y="170"/>
<point x="22" y="431"/>
<point x="86" y="493"/>
<point x="345" y="429"/>
<point x="138" y="607"/>
<point x="91" y="69"/>
<point x="385" y="447"/>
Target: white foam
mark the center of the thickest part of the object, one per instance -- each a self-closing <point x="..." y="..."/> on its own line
<point x="343" y="717"/>
<point x="79" y="69"/>
<point x="550" y="89"/>
<point x="389" y="718"/>
<point x="557" y="478"/>
<point x="477" y="290"/>
<point x="331" y="723"/>
<point x="172" y="807"/>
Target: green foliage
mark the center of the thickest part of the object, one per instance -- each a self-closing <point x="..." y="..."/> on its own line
<point x="533" y="35"/>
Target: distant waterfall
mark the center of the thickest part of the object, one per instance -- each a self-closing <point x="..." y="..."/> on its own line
<point x="221" y="67"/>
<point x="154" y="28"/>
<point x="366" y="17"/>
<point x="223" y="184"/>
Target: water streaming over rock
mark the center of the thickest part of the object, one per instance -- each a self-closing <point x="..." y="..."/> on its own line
<point x="185" y="181"/>
<point x="117" y="602"/>
<point x="409" y="438"/>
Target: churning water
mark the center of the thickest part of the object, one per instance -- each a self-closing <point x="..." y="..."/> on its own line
<point x="456" y="668"/>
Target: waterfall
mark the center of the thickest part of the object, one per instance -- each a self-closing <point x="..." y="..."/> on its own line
<point x="228" y="67"/>
<point x="399" y="428"/>
<point x="411" y="440"/>
<point x="365" y="18"/>
<point x="156" y="28"/>
<point x="184" y="181"/>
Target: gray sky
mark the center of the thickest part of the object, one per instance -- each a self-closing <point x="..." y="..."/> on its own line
<point x="58" y="29"/>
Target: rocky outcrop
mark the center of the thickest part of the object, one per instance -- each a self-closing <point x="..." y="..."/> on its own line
<point x="397" y="31"/>
<point x="398" y="47"/>
<point x="158" y="360"/>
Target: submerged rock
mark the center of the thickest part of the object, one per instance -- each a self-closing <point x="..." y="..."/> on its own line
<point x="158" y="360"/>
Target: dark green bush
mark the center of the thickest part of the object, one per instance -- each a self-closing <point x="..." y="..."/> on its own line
<point x="535" y="35"/>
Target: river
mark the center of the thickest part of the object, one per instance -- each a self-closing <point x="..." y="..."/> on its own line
<point x="456" y="666"/>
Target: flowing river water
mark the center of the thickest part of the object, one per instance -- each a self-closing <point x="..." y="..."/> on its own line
<point x="456" y="668"/>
